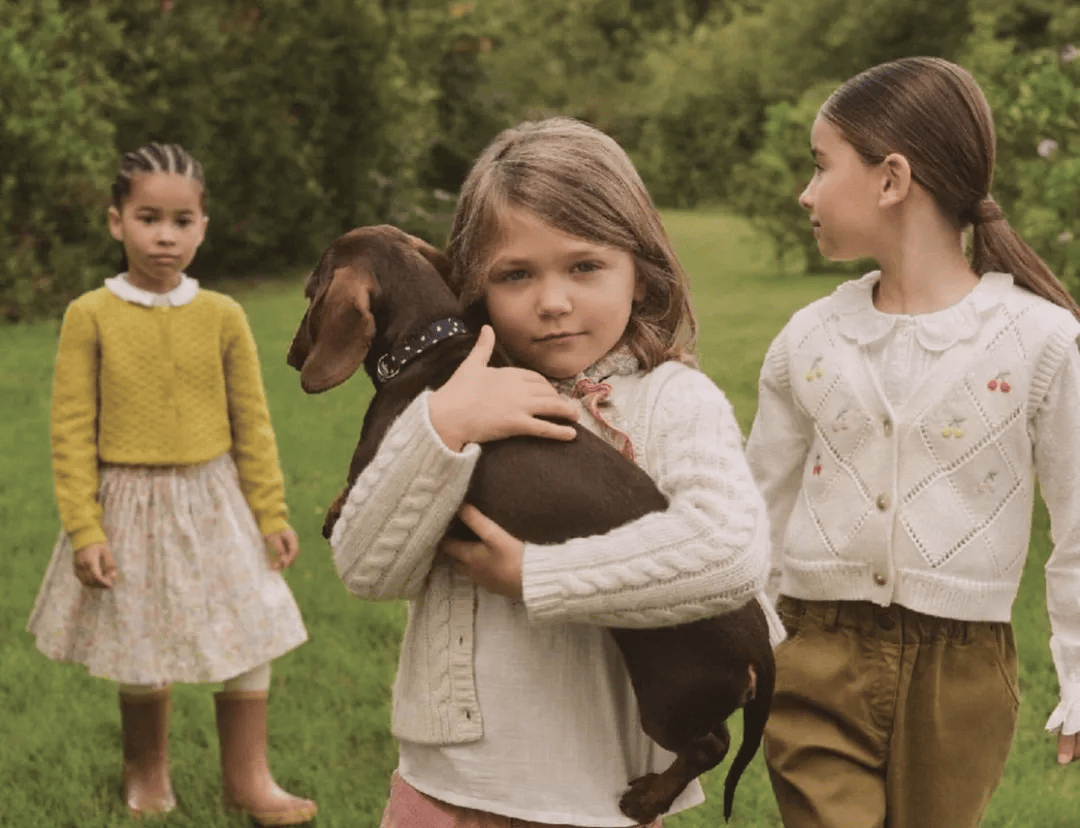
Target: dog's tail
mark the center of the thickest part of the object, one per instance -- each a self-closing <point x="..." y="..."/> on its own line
<point x="755" y="714"/>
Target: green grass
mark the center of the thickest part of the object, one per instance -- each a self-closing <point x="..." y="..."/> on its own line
<point x="329" y="725"/>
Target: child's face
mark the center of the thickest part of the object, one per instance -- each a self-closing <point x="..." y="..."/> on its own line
<point x="842" y="197"/>
<point x="558" y="303"/>
<point x="161" y="225"/>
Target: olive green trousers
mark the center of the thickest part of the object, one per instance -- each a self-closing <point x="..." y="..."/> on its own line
<point x="887" y="718"/>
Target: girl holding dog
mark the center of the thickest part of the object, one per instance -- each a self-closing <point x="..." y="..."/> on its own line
<point x="901" y="425"/>
<point x="511" y="704"/>
<point x="170" y="493"/>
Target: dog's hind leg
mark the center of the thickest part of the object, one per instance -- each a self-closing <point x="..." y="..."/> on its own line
<point x="651" y="795"/>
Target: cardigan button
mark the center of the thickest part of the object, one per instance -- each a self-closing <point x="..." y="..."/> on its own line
<point x="880" y="578"/>
<point x="887" y="427"/>
<point x="882" y="502"/>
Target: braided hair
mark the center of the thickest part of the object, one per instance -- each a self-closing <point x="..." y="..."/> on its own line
<point x="153" y="157"/>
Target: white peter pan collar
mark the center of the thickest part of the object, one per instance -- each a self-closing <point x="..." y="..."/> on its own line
<point x="859" y="320"/>
<point x="180" y="295"/>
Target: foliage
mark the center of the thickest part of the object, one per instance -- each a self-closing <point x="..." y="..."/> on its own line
<point x="314" y="117"/>
<point x="1035" y="96"/>
<point x="713" y="85"/>
<point x="309" y="119"/>
<point x="306" y="118"/>
<point x="767" y="187"/>
<point x="56" y="143"/>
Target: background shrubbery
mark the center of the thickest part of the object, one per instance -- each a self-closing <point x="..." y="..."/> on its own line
<point x="314" y="117"/>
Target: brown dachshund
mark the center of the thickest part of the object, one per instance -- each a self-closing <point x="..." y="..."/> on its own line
<point x="379" y="296"/>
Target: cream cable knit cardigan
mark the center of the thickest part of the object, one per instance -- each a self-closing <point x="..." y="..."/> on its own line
<point x="707" y="553"/>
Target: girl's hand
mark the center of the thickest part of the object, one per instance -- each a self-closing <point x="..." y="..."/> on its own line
<point x="286" y="547"/>
<point x="493" y="562"/>
<point x="95" y="567"/>
<point x="1068" y="748"/>
<point x="478" y="403"/>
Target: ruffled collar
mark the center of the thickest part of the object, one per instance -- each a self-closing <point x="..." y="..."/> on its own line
<point x="860" y="321"/>
<point x="618" y="361"/>
<point x="180" y="295"/>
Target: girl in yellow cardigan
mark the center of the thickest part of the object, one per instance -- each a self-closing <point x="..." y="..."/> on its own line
<point x="171" y="497"/>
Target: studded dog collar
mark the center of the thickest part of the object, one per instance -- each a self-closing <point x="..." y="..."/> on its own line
<point x="388" y="365"/>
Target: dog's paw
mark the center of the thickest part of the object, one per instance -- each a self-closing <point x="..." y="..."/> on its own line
<point x="645" y="799"/>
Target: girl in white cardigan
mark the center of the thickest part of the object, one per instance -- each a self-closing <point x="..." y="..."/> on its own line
<point x="902" y="422"/>
<point x="511" y="702"/>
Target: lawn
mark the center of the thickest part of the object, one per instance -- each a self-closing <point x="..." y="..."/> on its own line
<point x="61" y="764"/>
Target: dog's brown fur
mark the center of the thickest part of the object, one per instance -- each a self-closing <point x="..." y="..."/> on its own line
<point x="375" y="286"/>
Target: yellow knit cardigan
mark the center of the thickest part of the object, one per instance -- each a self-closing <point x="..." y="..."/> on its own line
<point x="160" y="386"/>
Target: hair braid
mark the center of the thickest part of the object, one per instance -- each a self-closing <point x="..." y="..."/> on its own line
<point x="151" y="158"/>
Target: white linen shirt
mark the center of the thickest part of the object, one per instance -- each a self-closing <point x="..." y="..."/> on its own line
<point x="526" y="709"/>
<point x="961" y="409"/>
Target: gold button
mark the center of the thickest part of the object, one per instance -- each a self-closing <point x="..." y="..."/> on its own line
<point x="887" y="426"/>
<point x="882" y="502"/>
<point x="880" y="579"/>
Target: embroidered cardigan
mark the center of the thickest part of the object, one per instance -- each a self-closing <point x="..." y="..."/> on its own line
<point x="928" y="505"/>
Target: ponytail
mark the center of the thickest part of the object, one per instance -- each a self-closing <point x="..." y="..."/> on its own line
<point x="996" y="246"/>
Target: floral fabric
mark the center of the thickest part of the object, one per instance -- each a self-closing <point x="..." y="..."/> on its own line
<point x="196" y="600"/>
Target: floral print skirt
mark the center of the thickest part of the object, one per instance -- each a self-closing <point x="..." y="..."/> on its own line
<point x="196" y="600"/>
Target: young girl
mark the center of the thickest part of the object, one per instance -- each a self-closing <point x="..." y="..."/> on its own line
<point x="169" y="490"/>
<point x="511" y="704"/>
<point x="901" y="424"/>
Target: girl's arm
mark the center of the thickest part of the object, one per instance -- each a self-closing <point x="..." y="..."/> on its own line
<point x="73" y="426"/>
<point x="253" y="446"/>
<point x="707" y="553"/>
<point x="398" y="508"/>
<point x="776" y="450"/>
<point x="1057" y="459"/>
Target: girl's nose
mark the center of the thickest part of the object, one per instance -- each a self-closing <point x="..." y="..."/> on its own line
<point x="804" y="198"/>
<point x="553" y="297"/>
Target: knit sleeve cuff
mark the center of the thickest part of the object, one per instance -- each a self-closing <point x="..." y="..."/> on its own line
<point x="272" y="524"/>
<point x="777" y="633"/>
<point x="1066" y="716"/>
<point x="85" y="537"/>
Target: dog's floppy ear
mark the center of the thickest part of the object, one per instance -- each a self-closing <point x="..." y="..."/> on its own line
<point x="336" y="332"/>
<point x="433" y="255"/>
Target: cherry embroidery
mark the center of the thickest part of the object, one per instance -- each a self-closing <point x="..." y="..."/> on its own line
<point x="999" y="382"/>
<point x="814" y="372"/>
<point x="817" y="465"/>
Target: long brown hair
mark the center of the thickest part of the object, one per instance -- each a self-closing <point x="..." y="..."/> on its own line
<point x="580" y="181"/>
<point x="933" y="113"/>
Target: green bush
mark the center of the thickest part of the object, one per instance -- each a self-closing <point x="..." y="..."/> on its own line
<point x="766" y="188"/>
<point x="304" y="116"/>
<point x="309" y="119"/>
<point x="1036" y="102"/>
<point x="56" y="143"/>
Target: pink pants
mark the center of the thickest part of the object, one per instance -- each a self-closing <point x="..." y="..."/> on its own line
<point x="408" y="808"/>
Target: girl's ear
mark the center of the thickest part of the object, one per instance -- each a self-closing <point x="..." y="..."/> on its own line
<point x="896" y="180"/>
<point x="639" y="289"/>
<point x="116" y="228"/>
